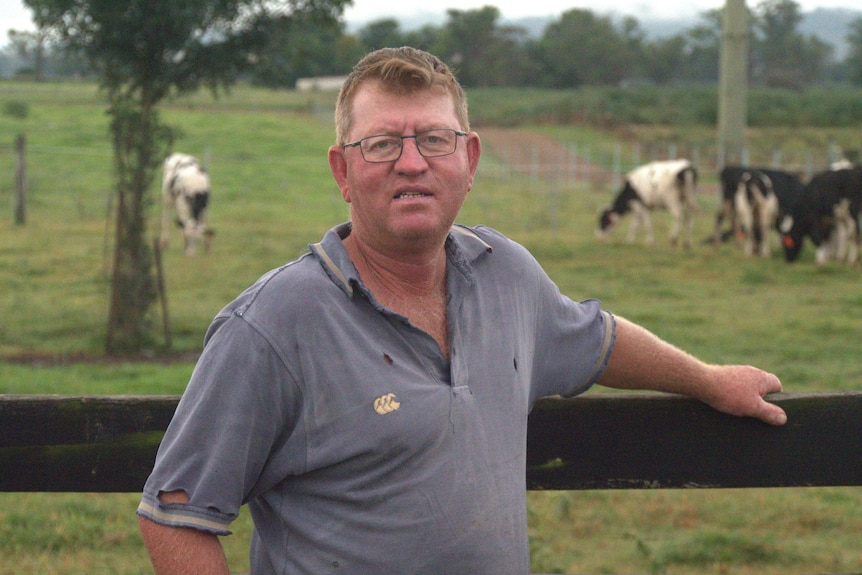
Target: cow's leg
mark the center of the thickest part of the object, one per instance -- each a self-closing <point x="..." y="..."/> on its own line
<point x="187" y="223"/>
<point x="640" y="217"/>
<point x="852" y="242"/>
<point x="635" y="223"/>
<point x="676" y="215"/>
<point x="841" y="233"/>
<point x="726" y="211"/>
<point x="770" y="215"/>
<point x="745" y="220"/>
<point x="688" y="225"/>
<point x="763" y="222"/>
<point x="827" y="249"/>
<point x="190" y="238"/>
<point x="843" y="224"/>
<point x="647" y="223"/>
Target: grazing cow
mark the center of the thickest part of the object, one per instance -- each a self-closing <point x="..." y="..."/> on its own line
<point x="786" y="187"/>
<point x="186" y="192"/>
<point x="666" y="184"/>
<point x="828" y="213"/>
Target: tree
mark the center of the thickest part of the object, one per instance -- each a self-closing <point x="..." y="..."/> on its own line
<point x="143" y="52"/>
<point x="383" y="33"/>
<point x="854" y="56"/>
<point x="30" y="46"/>
<point x="423" y="38"/>
<point x="786" y="58"/>
<point x="664" y="59"/>
<point x="483" y="53"/>
<point x="704" y="46"/>
<point x="301" y="44"/>
<point x="582" y="48"/>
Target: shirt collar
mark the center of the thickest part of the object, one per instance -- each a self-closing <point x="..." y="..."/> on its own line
<point x="463" y="247"/>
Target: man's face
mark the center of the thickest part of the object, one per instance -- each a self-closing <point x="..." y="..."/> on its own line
<point x="409" y="203"/>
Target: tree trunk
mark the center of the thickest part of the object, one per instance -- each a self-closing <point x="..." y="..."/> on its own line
<point x="138" y="149"/>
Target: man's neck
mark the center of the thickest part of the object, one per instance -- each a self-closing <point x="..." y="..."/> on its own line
<point x="414" y="287"/>
<point x="407" y="273"/>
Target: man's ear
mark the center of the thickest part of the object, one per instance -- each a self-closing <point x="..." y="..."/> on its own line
<point x="474" y="151"/>
<point x="338" y="167"/>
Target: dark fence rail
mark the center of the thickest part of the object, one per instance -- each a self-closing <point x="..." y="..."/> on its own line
<point x="597" y="441"/>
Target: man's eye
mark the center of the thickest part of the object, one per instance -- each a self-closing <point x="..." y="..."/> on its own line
<point x="382" y="145"/>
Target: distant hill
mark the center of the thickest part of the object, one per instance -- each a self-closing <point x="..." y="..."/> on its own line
<point x="831" y="25"/>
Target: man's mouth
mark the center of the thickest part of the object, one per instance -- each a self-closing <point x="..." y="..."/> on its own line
<point x="411" y="195"/>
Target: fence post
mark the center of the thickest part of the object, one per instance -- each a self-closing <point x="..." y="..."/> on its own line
<point x="617" y="165"/>
<point x="20" y="182"/>
<point x="573" y="163"/>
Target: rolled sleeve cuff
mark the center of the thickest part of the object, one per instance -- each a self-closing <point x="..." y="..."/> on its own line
<point x="607" y="346"/>
<point x="183" y="515"/>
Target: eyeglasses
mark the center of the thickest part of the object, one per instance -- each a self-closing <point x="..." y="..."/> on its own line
<point x="430" y="143"/>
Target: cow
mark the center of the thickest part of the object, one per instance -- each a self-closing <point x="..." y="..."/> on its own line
<point x="186" y="193"/>
<point x="828" y="213"/>
<point x="669" y="184"/>
<point x="756" y="209"/>
<point x="786" y="187"/>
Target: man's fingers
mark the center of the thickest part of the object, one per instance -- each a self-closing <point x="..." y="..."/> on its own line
<point x="773" y="415"/>
<point x="772" y="384"/>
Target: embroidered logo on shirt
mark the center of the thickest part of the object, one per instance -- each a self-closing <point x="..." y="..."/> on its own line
<point x="386" y="404"/>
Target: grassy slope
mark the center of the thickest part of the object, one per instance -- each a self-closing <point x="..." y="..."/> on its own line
<point x="273" y="194"/>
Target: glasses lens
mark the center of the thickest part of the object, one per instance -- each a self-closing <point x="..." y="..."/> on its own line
<point x="381" y="148"/>
<point x="436" y="142"/>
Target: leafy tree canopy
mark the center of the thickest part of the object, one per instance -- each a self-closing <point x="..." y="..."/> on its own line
<point x="154" y="48"/>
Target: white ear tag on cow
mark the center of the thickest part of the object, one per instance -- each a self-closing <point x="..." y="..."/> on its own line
<point x="786" y="224"/>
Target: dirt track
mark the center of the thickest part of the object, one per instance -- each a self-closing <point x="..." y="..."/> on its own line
<point x="538" y="155"/>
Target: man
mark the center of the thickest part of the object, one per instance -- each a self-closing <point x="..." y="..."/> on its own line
<point x="369" y="401"/>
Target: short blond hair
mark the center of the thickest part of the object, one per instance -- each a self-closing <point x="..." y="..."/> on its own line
<point x="401" y="71"/>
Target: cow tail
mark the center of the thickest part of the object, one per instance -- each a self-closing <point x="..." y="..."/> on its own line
<point x="687" y="180"/>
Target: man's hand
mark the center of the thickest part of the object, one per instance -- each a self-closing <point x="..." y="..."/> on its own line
<point x="641" y="360"/>
<point x="740" y="390"/>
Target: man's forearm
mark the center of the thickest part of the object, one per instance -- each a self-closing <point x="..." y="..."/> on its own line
<point x="182" y="551"/>
<point x="640" y="360"/>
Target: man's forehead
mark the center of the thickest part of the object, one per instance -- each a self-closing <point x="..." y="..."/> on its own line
<point x="375" y="106"/>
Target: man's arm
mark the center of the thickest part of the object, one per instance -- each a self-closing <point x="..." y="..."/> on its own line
<point x="640" y="360"/>
<point x="182" y="550"/>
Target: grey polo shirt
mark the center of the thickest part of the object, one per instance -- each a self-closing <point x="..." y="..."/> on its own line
<point x="358" y="447"/>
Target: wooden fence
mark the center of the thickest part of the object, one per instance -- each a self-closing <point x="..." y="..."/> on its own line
<point x="597" y="441"/>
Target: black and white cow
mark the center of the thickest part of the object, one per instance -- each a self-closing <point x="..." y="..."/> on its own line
<point x="186" y="193"/>
<point x="785" y="186"/>
<point x="828" y="213"/>
<point x="670" y="185"/>
<point x="756" y="209"/>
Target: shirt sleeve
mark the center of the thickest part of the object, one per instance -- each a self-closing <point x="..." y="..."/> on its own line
<point x="238" y="408"/>
<point x="574" y="340"/>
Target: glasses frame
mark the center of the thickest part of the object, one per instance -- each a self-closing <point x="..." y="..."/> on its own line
<point x="358" y="144"/>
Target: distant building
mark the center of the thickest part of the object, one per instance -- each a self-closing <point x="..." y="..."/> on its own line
<point x="320" y="84"/>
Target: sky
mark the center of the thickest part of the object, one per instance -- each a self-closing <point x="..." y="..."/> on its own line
<point x="14" y="15"/>
<point x="367" y="10"/>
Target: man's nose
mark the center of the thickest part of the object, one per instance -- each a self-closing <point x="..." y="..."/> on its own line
<point x="410" y="152"/>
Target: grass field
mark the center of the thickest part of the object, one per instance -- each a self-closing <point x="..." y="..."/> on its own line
<point x="273" y="195"/>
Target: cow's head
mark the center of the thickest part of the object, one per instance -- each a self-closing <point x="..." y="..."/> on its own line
<point x="791" y="237"/>
<point x="607" y="220"/>
<point x="794" y="230"/>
